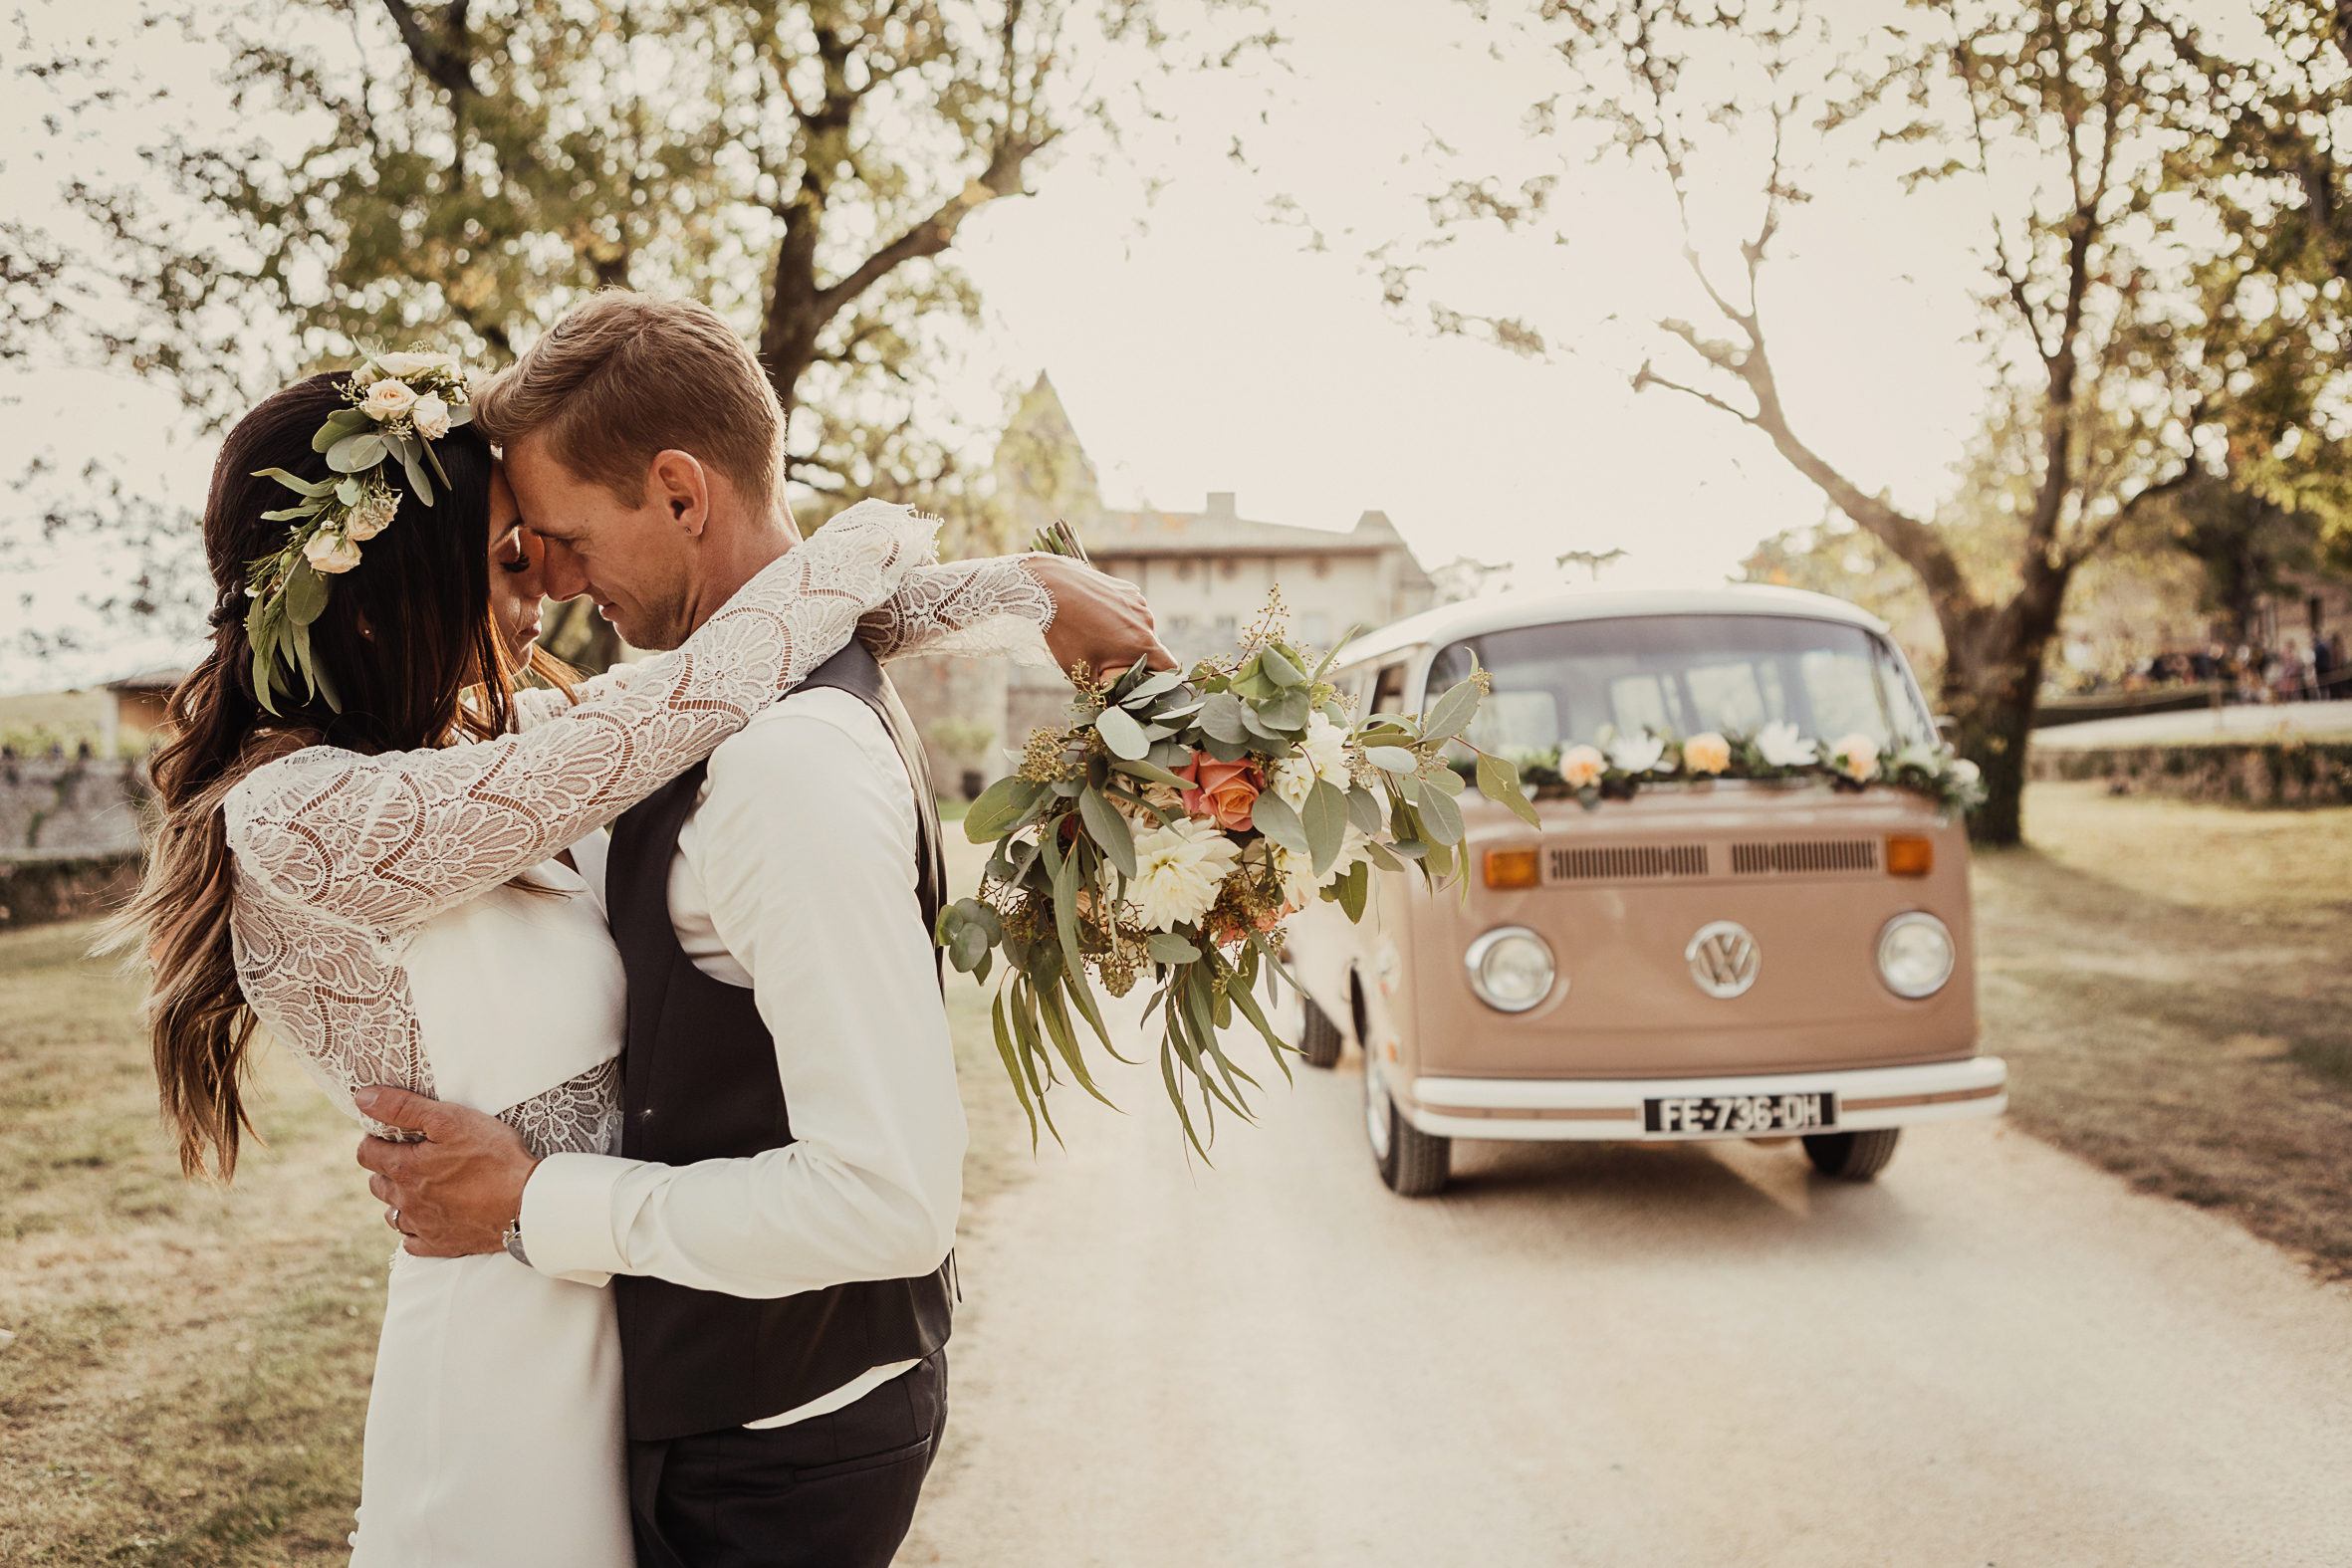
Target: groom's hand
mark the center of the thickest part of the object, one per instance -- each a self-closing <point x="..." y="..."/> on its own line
<point x="1099" y="620"/>
<point x="454" y="1193"/>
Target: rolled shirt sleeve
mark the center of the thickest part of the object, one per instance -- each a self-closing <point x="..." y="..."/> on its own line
<point x="803" y="848"/>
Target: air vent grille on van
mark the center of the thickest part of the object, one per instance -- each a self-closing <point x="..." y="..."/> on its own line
<point x="1837" y="855"/>
<point x="1625" y="862"/>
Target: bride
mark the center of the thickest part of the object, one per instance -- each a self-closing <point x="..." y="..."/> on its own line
<point x="366" y="850"/>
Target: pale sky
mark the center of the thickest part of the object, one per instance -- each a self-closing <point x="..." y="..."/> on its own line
<point x="1199" y="347"/>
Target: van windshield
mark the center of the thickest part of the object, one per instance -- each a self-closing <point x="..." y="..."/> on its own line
<point x="1680" y="675"/>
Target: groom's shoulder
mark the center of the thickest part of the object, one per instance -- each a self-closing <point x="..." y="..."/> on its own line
<point x="821" y="740"/>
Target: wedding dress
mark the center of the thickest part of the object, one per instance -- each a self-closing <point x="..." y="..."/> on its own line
<point x="378" y="937"/>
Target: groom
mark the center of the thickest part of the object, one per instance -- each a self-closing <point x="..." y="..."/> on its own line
<point x="777" y="1221"/>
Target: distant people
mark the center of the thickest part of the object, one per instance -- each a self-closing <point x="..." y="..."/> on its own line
<point x="2286" y="673"/>
<point x="2202" y="663"/>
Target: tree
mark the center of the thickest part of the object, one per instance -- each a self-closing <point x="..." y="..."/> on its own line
<point x="470" y="169"/>
<point x="2095" y="316"/>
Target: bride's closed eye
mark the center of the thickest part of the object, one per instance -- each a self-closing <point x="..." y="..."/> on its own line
<point x="512" y="556"/>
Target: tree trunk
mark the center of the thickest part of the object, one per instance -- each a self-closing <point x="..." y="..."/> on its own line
<point x="1992" y="661"/>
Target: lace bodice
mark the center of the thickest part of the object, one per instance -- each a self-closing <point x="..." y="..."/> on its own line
<point x="340" y="858"/>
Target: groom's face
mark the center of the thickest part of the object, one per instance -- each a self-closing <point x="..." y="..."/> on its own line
<point x="634" y="561"/>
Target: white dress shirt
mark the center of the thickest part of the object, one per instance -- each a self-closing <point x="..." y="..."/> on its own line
<point x="795" y="875"/>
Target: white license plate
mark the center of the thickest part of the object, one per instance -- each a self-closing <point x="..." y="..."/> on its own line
<point x="1739" y="1115"/>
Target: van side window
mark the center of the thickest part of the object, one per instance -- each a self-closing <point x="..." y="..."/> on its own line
<point x="1388" y="692"/>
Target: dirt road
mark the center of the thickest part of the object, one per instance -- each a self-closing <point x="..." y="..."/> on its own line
<point x="1616" y="1356"/>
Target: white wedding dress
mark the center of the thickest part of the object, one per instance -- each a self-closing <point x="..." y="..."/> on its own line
<point x="377" y="937"/>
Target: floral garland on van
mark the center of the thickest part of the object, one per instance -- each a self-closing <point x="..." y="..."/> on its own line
<point x="1617" y="767"/>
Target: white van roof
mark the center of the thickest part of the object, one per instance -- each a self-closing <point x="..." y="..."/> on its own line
<point x="1508" y="611"/>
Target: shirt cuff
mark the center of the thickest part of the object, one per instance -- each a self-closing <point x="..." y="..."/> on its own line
<point x="568" y="1217"/>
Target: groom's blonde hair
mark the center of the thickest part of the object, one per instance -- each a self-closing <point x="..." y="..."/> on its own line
<point x="627" y="375"/>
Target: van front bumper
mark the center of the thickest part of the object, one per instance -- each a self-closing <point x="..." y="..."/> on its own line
<point x="1611" y="1109"/>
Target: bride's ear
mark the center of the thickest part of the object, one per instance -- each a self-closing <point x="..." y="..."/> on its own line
<point x="681" y="486"/>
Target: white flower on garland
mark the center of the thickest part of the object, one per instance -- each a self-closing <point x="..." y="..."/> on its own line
<point x="372" y="515"/>
<point x="1857" y="756"/>
<point x="1782" y="747"/>
<point x="408" y="365"/>
<point x="431" y="416"/>
<point x="1292" y="779"/>
<point x="330" y="553"/>
<point x="1965" y="771"/>
<point x="1326" y="745"/>
<point x="1705" y="752"/>
<point x="1178" y="869"/>
<point x="1636" y="754"/>
<point x="389" y="400"/>
<point x="1580" y="766"/>
<point x="1918" y="755"/>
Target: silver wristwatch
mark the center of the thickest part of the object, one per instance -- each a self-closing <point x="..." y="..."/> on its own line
<point x="512" y="1239"/>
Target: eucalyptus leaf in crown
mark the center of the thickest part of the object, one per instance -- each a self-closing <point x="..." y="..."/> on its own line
<point x="1161" y="836"/>
<point x="399" y="405"/>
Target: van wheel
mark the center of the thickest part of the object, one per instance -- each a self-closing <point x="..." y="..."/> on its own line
<point x="1852" y="1155"/>
<point x="1320" y="1041"/>
<point x="1411" y="1162"/>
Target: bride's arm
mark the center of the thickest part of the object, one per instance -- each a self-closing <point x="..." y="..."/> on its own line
<point x="1047" y="608"/>
<point x="387" y="841"/>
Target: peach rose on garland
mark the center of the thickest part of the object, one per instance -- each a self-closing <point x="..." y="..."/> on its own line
<point x="1580" y="766"/>
<point x="1705" y="752"/>
<point x="1222" y="792"/>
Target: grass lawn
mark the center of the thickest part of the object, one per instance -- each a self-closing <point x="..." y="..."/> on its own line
<point x="186" y="1372"/>
<point x="2169" y="980"/>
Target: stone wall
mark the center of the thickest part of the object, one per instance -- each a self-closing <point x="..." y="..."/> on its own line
<point x="2279" y="772"/>
<point x="67" y="809"/>
<point x="36" y="892"/>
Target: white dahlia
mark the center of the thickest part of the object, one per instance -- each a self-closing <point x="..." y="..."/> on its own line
<point x="1178" y="870"/>
<point x="1292" y="779"/>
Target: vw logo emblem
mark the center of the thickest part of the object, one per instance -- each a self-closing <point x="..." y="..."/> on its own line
<point x="1724" y="958"/>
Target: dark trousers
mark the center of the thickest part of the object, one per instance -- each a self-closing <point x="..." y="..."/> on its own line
<point x="832" y="1491"/>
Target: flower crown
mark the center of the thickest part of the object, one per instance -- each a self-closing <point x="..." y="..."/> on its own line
<point x="401" y="404"/>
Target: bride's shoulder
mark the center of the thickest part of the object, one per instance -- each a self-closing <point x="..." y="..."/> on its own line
<point x="298" y="770"/>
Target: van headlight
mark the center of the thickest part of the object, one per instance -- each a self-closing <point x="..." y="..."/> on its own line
<point x="1915" y="954"/>
<point x="1511" y="968"/>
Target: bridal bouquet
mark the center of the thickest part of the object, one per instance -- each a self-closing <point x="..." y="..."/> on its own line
<point x="1622" y="763"/>
<point x="1164" y="833"/>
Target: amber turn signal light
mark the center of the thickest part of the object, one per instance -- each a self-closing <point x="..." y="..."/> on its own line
<point x="1909" y="855"/>
<point x="1512" y="869"/>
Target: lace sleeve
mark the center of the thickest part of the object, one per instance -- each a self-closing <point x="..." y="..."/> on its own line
<point x="388" y="841"/>
<point x="535" y="705"/>
<point x="965" y="606"/>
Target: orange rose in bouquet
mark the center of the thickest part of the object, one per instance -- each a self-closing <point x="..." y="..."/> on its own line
<point x="1222" y="792"/>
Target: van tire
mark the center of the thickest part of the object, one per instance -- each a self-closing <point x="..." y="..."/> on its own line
<point x="1319" y="1041"/>
<point x="1852" y="1155"/>
<point x="1414" y="1165"/>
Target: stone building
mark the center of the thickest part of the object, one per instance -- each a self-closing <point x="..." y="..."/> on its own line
<point x="1207" y="575"/>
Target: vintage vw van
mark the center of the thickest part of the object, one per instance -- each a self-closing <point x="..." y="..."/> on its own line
<point x="1724" y="959"/>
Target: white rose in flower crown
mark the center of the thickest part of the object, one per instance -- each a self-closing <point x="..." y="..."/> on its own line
<point x="1636" y="754"/>
<point x="1857" y="756"/>
<point x="1583" y="764"/>
<point x="330" y="553"/>
<point x="389" y="400"/>
<point x="1292" y="781"/>
<point x="372" y="515"/>
<point x="1783" y="747"/>
<point x="431" y="416"/>
<point x="406" y="364"/>
<point x="1178" y="870"/>
<point x="1325" y="744"/>
<point x="1705" y="752"/>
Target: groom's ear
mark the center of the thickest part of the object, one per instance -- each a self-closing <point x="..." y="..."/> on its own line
<point x="680" y="484"/>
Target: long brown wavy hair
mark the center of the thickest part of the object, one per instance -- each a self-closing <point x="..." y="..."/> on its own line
<point x="419" y="662"/>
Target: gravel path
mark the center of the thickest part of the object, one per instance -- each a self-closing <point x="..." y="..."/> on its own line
<point x="1624" y="1356"/>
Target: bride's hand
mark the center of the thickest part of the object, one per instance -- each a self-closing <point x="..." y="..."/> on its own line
<point x="1099" y="620"/>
